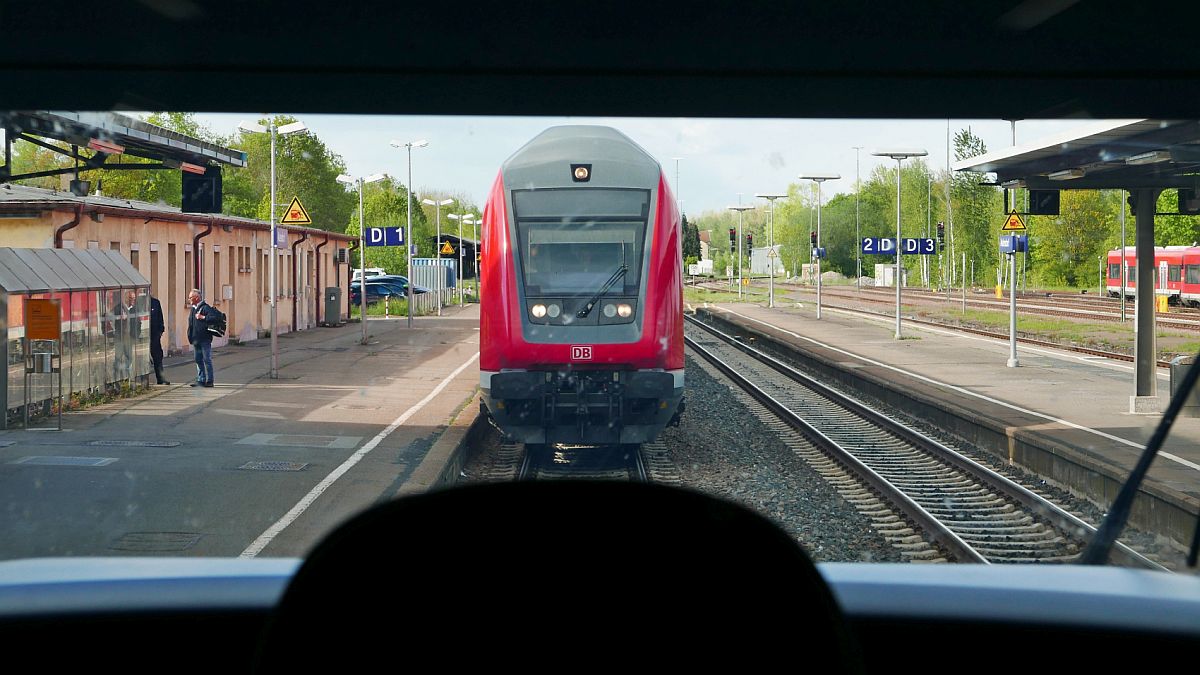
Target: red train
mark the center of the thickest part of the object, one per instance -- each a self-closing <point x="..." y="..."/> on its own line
<point x="581" y="292"/>
<point x="1176" y="273"/>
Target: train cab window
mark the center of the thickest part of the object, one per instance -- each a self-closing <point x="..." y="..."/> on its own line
<point x="1131" y="274"/>
<point x="1193" y="274"/>
<point x="573" y="240"/>
<point x="1174" y="273"/>
<point x="1114" y="271"/>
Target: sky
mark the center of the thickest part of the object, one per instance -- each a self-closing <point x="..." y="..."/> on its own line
<point x="718" y="158"/>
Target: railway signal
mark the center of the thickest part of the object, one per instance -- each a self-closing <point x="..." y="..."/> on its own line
<point x="812" y="238"/>
<point x="749" y="241"/>
<point x="732" y="239"/>
<point x="941" y="236"/>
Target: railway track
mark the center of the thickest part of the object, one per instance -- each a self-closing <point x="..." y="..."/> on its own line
<point x="1116" y="356"/>
<point x="649" y="462"/>
<point x="972" y="513"/>
<point x="1029" y="305"/>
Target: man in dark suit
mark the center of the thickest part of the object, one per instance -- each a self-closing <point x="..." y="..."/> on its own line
<point x="199" y="317"/>
<point x="157" y="328"/>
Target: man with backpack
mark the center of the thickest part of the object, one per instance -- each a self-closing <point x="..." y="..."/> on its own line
<point x="202" y="320"/>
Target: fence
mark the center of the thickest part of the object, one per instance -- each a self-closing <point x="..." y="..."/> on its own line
<point x="439" y="276"/>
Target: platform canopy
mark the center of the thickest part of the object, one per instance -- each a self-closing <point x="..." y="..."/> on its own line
<point x="103" y="130"/>
<point x="1110" y="154"/>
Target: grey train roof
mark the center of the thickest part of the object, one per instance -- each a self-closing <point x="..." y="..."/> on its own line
<point x="545" y="161"/>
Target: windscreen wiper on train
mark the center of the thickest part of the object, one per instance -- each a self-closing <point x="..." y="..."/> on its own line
<point x="1106" y="535"/>
<point x="587" y="309"/>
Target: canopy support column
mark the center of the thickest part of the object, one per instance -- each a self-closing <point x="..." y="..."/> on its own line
<point x="1145" y="371"/>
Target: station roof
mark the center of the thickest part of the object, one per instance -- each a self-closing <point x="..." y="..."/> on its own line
<point x="139" y="138"/>
<point x="25" y="201"/>
<point x="1110" y="154"/>
<point x="51" y="270"/>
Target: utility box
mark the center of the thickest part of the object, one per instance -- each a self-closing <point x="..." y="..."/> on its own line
<point x="333" y="306"/>
<point x="1179" y="368"/>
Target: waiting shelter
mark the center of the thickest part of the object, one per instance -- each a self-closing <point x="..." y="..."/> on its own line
<point x="104" y="316"/>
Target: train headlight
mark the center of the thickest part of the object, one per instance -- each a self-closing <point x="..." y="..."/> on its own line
<point x="554" y="310"/>
<point x="538" y="311"/>
<point x="610" y="311"/>
<point x="624" y="310"/>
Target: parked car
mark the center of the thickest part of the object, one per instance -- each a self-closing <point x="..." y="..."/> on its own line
<point x="371" y="273"/>
<point x="380" y="289"/>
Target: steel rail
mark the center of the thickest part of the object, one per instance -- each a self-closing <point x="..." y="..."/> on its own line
<point x="1056" y="516"/>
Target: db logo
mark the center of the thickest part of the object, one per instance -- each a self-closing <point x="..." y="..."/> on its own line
<point x="581" y="352"/>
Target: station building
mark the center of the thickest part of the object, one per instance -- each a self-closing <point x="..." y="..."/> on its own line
<point x="227" y="257"/>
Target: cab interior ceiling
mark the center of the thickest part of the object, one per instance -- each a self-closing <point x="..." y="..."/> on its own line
<point x="1015" y="59"/>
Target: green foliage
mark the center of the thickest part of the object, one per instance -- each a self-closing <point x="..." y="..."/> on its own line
<point x="1066" y="248"/>
<point x="691" y="240"/>
<point x="385" y="204"/>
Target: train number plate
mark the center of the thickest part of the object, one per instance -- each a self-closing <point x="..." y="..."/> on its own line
<point x="581" y="352"/>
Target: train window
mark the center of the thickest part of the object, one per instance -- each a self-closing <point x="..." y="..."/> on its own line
<point x="1193" y="274"/>
<point x="1131" y="274"/>
<point x="1114" y="271"/>
<point x="1174" y="273"/>
<point x="573" y="240"/>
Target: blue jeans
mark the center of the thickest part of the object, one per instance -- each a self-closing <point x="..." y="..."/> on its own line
<point x="204" y="366"/>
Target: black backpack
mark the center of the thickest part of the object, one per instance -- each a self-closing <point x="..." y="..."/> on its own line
<point x="217" y="322"/>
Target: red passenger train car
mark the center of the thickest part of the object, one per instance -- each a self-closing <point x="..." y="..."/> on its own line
<point x="581" y="292"/>
<point x="1176" y="273"/>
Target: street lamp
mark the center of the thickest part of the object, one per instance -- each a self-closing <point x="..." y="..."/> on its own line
<point x="292" y="128"/>
<point x="899" y="155"/>
<point x="739" y="209"/>
<point x="819" y="178"/>
<point x="408" y="234"/>
<point x="771" y="244"/>
<point x="441" y="275"/>
<point x="362" y="246"/>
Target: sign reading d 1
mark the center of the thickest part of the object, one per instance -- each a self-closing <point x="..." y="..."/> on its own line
<point x="384" y="236"/>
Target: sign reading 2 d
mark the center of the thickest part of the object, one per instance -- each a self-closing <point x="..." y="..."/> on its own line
<point x="385" y="236"/>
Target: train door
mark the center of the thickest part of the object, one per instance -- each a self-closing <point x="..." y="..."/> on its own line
<point x="1160" y="280"/>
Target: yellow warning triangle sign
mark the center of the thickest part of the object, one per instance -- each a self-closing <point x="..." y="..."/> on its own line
<point x="295" y="214"/>
<point x="1014" y="222"/>
<point x="447" y="248"/>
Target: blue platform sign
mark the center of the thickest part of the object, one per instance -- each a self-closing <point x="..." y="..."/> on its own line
<point x="385" y="236"/>
<point x="887" y="246"/>
<point x="920" y="246"/>
<point x="1014" y="243"/>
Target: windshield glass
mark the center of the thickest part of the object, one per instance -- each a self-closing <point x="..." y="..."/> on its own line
<point x="253" y="418"/>
<point x="572" y="241"/>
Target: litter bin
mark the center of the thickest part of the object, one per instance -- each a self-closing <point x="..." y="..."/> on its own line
<point x="1179" y="367"/>
<point x="333" y="306"/>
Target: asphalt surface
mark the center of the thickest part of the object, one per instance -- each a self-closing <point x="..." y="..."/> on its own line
<point x="208" y="472"/>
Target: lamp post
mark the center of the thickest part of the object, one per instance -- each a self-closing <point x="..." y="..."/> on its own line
<point x="857" y="232"/>
<point x="408" y="231"/>
<point x="819" y="178"/>
<point x="899" y="156"/>
<point x="771" y="244"/>
<point x="441" y="275"/>
<point x="294" y="127"/>
<point x="739" y="209"/>
<point x="362" y="246"/>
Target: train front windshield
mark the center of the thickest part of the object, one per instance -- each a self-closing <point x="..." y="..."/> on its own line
<point x="572" y="241"/>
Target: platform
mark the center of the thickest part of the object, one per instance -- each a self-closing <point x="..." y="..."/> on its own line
<point x="253" y="466"/>
<point x="1061" y="414"/>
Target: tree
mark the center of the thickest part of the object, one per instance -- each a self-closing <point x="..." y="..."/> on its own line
<point x="385" y="205"/>
<point x="1068" y="245"/>
<point x="977" y="209"/>
<point x="691" y="240"/>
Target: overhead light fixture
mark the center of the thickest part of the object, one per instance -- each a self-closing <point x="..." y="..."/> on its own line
<point x="1013" y="184"/>
<point x="1152" y="157"/>
<point x="291" y="128"/>
<point x="252" y="127"/>
<point x="1066" y="174"/>
<point x="193" y="168"/>
<point x="105" y="146"/>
